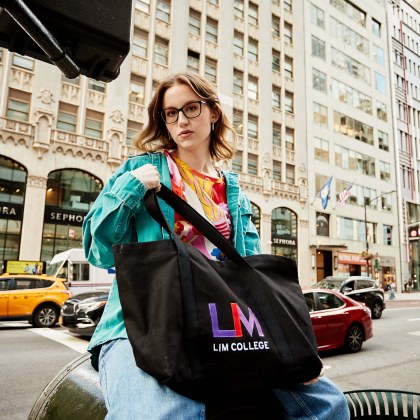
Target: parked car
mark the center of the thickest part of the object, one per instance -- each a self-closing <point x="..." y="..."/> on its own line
<point x="360" y="288"/>
<point x="82" y="313"/>
<point x="338" y="320"/>
<point x="36" y="298"/>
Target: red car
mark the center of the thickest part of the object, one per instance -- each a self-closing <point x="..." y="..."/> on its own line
<point x="338" y="320"/>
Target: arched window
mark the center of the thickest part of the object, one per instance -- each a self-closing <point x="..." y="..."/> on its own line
<point x="256" y="216"/>
<point x="12" y="196"/>
<point x="284" y="232"/>
<point x="70" y="194"/>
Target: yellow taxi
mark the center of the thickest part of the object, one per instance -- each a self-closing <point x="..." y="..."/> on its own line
<point x="36" y="298"/>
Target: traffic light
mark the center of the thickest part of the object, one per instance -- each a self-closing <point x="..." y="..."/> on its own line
<point x="89" y="37"/>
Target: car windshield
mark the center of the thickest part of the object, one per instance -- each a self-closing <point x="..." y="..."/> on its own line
<point x="332" y="284"/>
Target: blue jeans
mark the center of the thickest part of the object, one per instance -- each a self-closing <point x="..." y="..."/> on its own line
<point x="131" y="393"/>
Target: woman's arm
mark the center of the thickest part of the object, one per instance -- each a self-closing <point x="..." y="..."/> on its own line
<point x="110" y="220"/>
<point x="252" y="239"/>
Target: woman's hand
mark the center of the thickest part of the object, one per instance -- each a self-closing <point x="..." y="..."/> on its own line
<point x="148" y="175"/>
<point x="315" y="380"/>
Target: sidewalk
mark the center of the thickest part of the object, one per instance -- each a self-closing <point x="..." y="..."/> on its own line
<point x="404" y="296"/>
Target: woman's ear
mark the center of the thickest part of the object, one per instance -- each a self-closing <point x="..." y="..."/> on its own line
<point x="215" y="114"/>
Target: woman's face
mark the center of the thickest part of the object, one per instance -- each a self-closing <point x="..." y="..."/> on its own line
<point x="189" y="134"/>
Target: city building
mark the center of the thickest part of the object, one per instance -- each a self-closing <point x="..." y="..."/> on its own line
<point x="404" y="51"/>
<point x="307" y="85"/>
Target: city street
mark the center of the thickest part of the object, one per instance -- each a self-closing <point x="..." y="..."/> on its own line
<point x="30" y="358"/>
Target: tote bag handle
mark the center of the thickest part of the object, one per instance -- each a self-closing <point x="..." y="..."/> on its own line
<point x="190" y="214"/>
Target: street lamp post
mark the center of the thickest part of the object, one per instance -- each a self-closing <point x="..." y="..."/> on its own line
<point x="366" y="203"/>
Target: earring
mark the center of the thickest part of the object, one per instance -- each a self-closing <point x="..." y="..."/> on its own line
<point x="212" y="126"/>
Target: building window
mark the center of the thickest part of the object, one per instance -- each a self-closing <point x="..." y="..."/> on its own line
<point x="290" y="174"/>
<point x="256" y="216"/>
<point x="288" y="67"/>
<point x="383" y="141"/>
<point x="385" y="171"/>
<point x="381" y="111"/>
<point x="276" y="170"/>
<point x="322" y="224"/>
<point x="193" y="61"/>
<point x="238" y="43"/>
<point x="378" y="55"/>
<point x="13" y="178"/>
<point x="322" y="150"/>
<point x="252" y="127"/>
<point x="288" y="102"/>
<point x="210" y="70"/>
<point x="136" y="89"/>
<point x="318" y="48"/>
<point x="133" y="128"/>
<point x="276" y="134"/>
<point x="96" y="85"/>
<point x="18" y="105"/>
<point x="276" y="61"/>
<point x="238" y="82"/>
<point x="75" y="81"/>
<point x="94" y="124"/>
<point x="23" y="62"/>
<point x="350" y="66"/>
<point x="320" y="115"/>
<point x="194" y="22"/>
<point x="380" y="83"/>
<point x="163" y="10"/>
<point x="317" y="16"/>
<point x="143" y="5"/>
<point x="275" y="25"/>
<point x="237" y="161"/>
<point x="376" y="28"/>
<point x="387" y="235"/>
<point x="161" y="52"/>
<point x="351" y="11"/>
<point x="253" y="88"/>
<point x="67" y="117"/>
<point x="350" y="96"/>
<point x="319" y="80"/>
<point x="253" y="14"/>
<point x="211" y="31"/>
<point x="238" y="121"/>
<point x="345" y="34"/>
<point x="253" y="50"/>
<point x="290" y="139"/>
<point x="288" y="33"/>
<point x="252" y="164"/>
<point x="139" y="46"/>
<point x="70" y="192"/>
<point x="287" y="5"/>
<point x="284" y="232"/>
<point x="238" y="8"/>
<point x="353" y="128"/>
<point x="275" y="95"/>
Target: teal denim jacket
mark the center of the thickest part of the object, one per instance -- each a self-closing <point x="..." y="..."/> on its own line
<point x="119" y="216"/>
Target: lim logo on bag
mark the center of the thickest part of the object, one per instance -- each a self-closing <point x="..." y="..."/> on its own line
<point x="240" y="320"/>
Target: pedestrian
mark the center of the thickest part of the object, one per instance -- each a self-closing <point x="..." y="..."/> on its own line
<point x="186" y="135"/>
<point x="392" y="290"/>
<point x="405" y="286"/>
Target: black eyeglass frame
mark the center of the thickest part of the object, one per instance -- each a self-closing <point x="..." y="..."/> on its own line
<point x="178" y="110"/>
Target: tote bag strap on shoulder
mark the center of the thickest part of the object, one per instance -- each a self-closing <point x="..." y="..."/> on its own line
<point x="190" y="214"/>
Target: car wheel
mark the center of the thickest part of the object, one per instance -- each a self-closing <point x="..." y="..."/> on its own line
<point x="45" y="316"/>
<point x="354" y="338"/>
<point x="376" y="309"/>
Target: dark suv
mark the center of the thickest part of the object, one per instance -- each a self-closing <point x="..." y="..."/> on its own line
<point x="360" y="288"/>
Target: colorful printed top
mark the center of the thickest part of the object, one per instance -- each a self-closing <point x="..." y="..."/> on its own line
<point x="207" y="195"/>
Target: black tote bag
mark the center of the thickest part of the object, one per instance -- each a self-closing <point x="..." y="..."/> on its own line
<point x="206" y="327"/>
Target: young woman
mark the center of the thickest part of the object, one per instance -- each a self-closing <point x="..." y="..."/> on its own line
<point x="186" y="133"/>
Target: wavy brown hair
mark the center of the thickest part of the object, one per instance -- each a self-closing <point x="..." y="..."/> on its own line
<point x="155" y="135"/>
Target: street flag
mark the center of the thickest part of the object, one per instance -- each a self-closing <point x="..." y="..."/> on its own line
<point x="344" y="195"/>
<point x="325" y="193"/>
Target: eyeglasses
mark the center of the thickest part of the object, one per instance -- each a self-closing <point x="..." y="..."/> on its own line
<point x="190" y="110"/>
